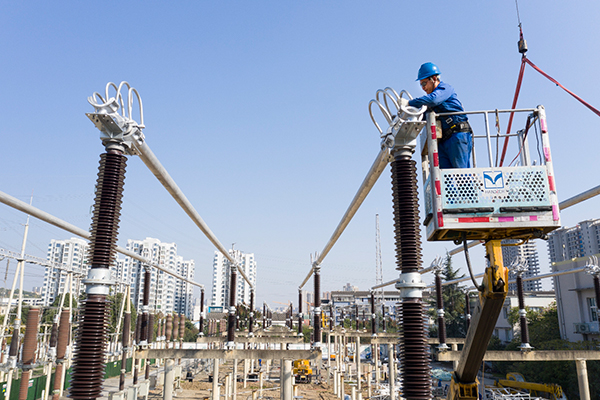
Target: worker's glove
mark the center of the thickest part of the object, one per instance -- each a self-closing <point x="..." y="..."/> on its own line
<point x="403" y="102"/>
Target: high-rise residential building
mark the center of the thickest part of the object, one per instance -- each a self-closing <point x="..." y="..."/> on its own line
<point x="167" y="293"/>
<point x="528" y="255"/>
<point x="575" y="242"/>
<point x="222" y="275"/>
<point x="73" y="253"/>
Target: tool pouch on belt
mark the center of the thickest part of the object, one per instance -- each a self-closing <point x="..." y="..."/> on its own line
<point x="454" y="127"/>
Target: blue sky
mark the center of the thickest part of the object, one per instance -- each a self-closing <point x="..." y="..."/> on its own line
<point x="258" y="110"/>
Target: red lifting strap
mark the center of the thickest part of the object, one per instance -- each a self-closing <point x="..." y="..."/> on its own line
<point x="526" y="60"/>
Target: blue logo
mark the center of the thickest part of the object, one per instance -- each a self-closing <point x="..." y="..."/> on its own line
<point x="493" y="180"/>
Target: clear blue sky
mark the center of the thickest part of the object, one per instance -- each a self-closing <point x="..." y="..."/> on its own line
<point x="258" y="110"/>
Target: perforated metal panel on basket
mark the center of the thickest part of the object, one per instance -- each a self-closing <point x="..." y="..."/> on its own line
<point x="494" y="188"/>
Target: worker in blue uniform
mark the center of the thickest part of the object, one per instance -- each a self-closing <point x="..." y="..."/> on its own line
<point x="456" y="144"/>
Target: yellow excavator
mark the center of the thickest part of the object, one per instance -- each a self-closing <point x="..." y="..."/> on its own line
<point x="302" y="371"/>
<point x="514" y="380"/>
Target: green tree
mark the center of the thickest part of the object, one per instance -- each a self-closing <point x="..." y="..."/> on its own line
<point x="191" y="332"/>
<point x="453" y="297"/>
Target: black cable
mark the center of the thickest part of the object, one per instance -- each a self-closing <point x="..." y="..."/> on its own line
<point x="466" y="248"/>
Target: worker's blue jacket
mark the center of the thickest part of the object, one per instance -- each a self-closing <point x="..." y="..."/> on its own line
<point x="443" y="99"/>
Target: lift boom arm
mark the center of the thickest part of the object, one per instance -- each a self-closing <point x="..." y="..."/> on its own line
<point x="491" y="300"/>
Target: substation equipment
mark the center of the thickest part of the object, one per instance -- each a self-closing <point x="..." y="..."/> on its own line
<point x="487" y="203"/>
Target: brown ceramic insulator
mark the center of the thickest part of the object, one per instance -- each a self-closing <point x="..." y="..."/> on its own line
<point x="317" y="317"/>
<point x="169" y="327"/>
<point x="251" y="324"/>
<point x="53" y="335"/>
<point x="61" y="349"/>
<point x="57" y="379"/>
<point x="175" y="333"/>
<point x="126" y="329"/>
<point x="440" y="306"/>
<point x="231" y="319"/>
<point x="88" y="370"/>
<point x="406" y="214"/>
<point x="264" y="315"/>
<point x="150" y="328"/>
<point x="30" y="340"/>
<point x="24" y="387"/>
<point x="136" y="333"/>
<point x="522" y="318"/>
<point x="201" y="324"/>
<point x="414" y="351"/>
<point x="181" y="326"/>
<point x="13" y="350"/>
<point x="144" y="327"/>
<point x="107" y="209"/>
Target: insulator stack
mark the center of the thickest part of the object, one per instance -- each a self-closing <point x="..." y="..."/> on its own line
<point x="317" y="327"/>
<point x="406" y="214"/>
<point x="29" y="346"/>
<point x="13" y="350"/>
<point x="150" y="340"/>
<point x="251" y="325"/>
<point x="413" y="345"/>
<point x="522" y="315"/>
<point x="61" y="351"/>
<point x="231" y="320"/>
<point x="299" y="312"/>
<point x="597" y="290"/>
<point x="151" y="328"/>
<point x="88" y="368"/>
<point x="181" y="327"/>
<point x="53" y="336"/>
<point x="169" y="327"/>
<point x="107" y="209"/>
<point x="440" y="306"/>
<point x="88" y="371"/>
<point x="373" y="321"/>
<point x="175" y="329"/>
<point x="125" y="341"/>
<point x="201" y="324"/>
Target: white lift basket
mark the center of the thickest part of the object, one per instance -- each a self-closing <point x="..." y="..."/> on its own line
<point x="491" y="202"/>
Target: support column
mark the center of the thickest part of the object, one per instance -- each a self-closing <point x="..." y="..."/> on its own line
<point x="216" y="393"/>
<point x="392" y="375"/>
<point x="582" y="379"/>
<point x="169" y="379"/>
<point x="357" y="359"/>
<point x="286" y="382"/>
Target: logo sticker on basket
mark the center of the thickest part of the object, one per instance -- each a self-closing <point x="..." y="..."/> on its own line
<point x="493" y="180"/>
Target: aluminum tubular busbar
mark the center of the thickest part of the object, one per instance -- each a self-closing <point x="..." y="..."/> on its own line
<point x="52" y="220"/>
<point x="148" y="157"/>
<point x="373" y="175"/>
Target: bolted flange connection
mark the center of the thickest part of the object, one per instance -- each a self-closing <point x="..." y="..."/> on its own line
<point x="98" y="281"/>
<point x="410" y="285"/>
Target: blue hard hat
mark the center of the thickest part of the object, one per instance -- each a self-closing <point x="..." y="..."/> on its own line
<point x="427" y="70"/>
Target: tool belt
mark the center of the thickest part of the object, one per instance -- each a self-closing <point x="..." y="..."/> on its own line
<point x="455" y="127"/>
